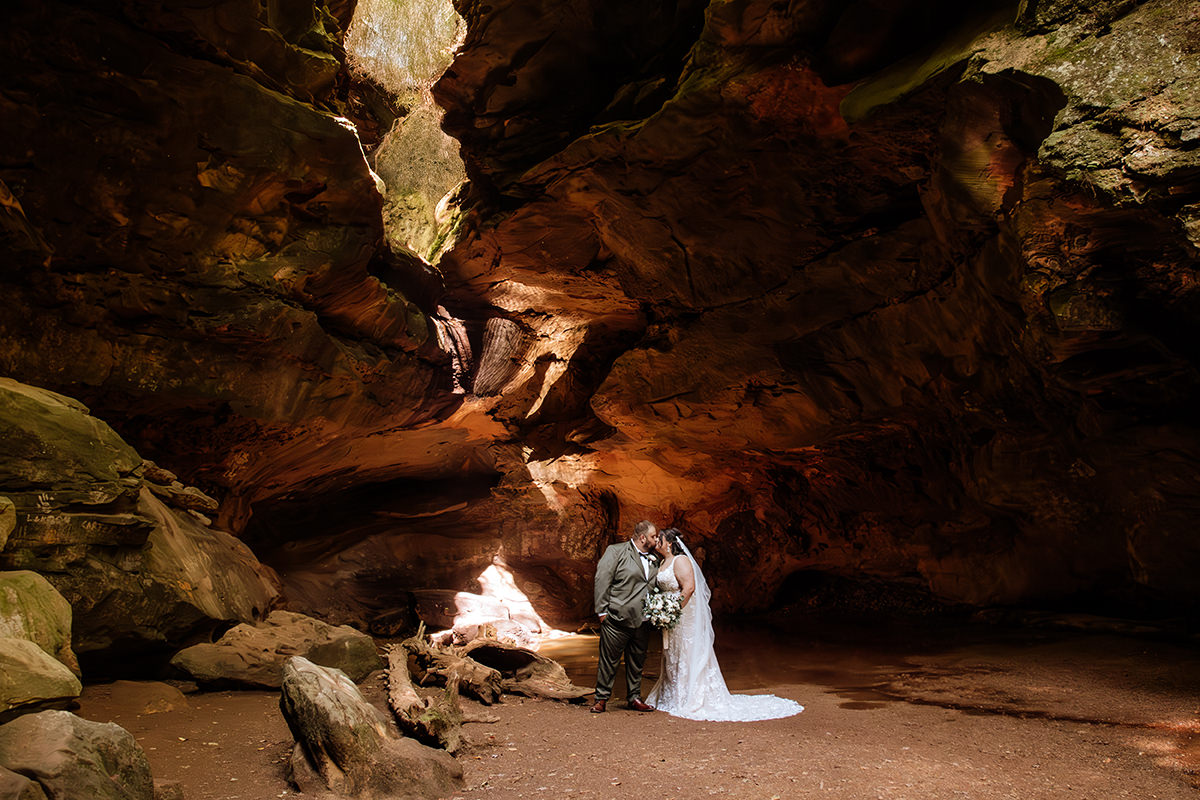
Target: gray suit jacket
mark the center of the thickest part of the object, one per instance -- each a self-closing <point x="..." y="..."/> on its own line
<point x="621" y="584"/>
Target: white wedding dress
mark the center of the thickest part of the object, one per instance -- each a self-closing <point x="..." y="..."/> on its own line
<point x="691" y="684"/>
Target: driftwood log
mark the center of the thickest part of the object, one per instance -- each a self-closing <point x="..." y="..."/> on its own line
<point x="523" y="671"/>
<point x="482" y="669"/>
<point x="435" y="721"/>
<point x="434" y="665"/>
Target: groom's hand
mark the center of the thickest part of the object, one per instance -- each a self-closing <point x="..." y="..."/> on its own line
<point x="602" y="616"/>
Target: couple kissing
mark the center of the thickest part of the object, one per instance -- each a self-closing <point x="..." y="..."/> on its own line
<point x="652" y="580"/>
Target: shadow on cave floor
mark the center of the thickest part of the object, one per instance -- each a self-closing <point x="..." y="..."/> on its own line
<point x="1096" y="678"/>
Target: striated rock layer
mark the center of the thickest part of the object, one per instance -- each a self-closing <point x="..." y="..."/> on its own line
<point x="889" y="290"/>
<point x="138" y="574"/>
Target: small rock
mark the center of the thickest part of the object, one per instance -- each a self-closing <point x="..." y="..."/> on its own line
<point x="156" y="474"/>
<point x="168" y="790"/>
<point x="147" y="697"/>
<point x="188" y="498"/>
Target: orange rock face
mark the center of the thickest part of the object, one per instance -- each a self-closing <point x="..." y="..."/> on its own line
<point x="889" y="290"/>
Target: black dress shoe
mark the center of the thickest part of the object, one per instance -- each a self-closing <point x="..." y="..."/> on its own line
<point x="638" y="705"/>
<point x="599" y="706"/>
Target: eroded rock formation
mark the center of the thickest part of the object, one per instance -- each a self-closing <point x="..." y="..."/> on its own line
<point x="882" y="289"/>
<point x="138" y="575"/>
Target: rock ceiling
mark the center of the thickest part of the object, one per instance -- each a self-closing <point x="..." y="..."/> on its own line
<point x="880" y="289"/>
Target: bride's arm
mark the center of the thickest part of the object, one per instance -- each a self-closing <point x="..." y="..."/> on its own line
<point x="686" y="577"/>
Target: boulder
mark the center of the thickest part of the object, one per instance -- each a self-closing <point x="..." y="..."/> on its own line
<point x="73" y="758"/>
<point x="254" y="654"/>
<point x="30" y="608"/>
<point x="52" y="443"/>
<point x="31" y="676"/>
<point x="346" y="746"/>
<point x="18" y="787"/>
<point x="134" y="570"/>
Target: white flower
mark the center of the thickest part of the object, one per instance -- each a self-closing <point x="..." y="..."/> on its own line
<point x="663" y="609"/>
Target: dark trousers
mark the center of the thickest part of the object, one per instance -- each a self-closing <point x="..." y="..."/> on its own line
<point x="615" y="639"/>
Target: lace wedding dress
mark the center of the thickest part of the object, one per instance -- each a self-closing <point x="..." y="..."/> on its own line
<point x="691" y="684"/>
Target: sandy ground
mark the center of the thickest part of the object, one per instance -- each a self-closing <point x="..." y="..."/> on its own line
<point x="926" y="714"/>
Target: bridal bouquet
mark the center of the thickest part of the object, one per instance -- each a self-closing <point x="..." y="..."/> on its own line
<point x="663" y="609"/>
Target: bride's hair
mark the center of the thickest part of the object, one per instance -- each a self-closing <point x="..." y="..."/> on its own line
<point x="671" y="535"/>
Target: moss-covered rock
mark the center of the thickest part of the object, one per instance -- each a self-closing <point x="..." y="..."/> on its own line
<point x="8" y="520"/>
<point x="134" y="571"/>
<point x="31" y="608"/>
<point x="71" y="757"/>
<point x="30" y="676"/>
<point x="346" y="745"/>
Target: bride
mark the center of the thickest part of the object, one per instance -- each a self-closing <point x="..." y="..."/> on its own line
<point x="691" y="685"/>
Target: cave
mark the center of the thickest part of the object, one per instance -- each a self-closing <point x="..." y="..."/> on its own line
<point x="397" y="313"/>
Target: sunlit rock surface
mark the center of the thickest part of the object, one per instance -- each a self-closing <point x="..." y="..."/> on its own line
<point x="881" y="290"/>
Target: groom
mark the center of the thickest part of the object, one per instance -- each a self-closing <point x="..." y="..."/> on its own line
<point x="623" y="577"/>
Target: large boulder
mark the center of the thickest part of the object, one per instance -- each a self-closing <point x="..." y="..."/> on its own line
<point x="135" y="570"/>
<point x="31" y="608"/>
<point x="31" y="676"/>
<point x="73" y="758"/>
<point x="346" y="746"/>
<point x="255" y="654"/>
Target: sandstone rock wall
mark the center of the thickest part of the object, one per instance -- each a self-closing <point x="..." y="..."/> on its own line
<point x="139" y="575"/>
<point x="889" y="289"/>
<point x="903" y="293"/>
<point x="196" y="236"/>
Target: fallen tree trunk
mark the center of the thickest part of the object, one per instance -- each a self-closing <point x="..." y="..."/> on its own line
<point x="430" y="664"/>
<point x="523" y="671"/>
<point x="433" y="721"/>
